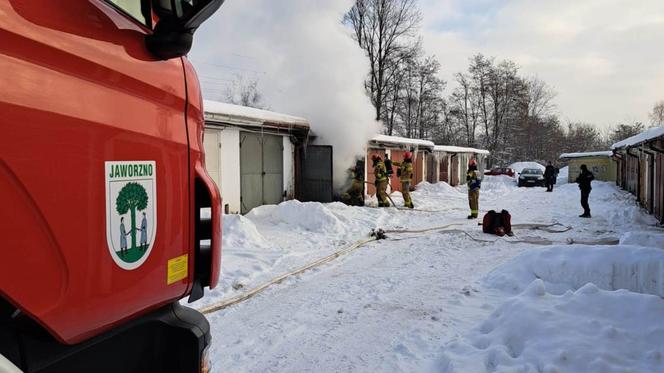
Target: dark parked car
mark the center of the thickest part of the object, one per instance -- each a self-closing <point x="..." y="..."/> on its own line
<point x="531" y="177"/>
<point x="500" y="171"/>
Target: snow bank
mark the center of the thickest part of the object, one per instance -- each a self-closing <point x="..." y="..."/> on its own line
<point x="643" y="238"/>
<point x="520" y="166"/>
<point x="440" y="189"/>
<point x="498" y="185"/>
<point x="589" y="330"/>
<point x="634" y="268"/>
<point x="563" y="175"/>
<point x="309" y="216"/>
<point x="239" y="231"/>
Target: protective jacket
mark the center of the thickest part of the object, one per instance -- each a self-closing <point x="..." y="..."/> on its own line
<point x="473" y="180"/>
<point x="380" y="172"/>
<point x="405" y="170"/>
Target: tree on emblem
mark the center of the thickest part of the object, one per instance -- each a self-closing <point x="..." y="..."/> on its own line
<point x="132" y="197"/>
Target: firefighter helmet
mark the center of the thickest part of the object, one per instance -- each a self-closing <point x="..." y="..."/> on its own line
<point x="408" y="155"/>
<point x="472" y="162"/>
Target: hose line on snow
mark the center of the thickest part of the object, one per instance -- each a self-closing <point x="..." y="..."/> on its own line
<point x="378" y="234"/>
<point x="244" y="296"/>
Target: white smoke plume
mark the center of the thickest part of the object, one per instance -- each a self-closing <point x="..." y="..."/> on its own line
<point x="305" y="60"/>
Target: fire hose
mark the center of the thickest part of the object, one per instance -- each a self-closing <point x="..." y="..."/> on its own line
<point x="380" y="234"/>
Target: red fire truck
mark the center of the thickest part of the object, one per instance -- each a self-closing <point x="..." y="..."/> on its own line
<point x="102" y="184"/>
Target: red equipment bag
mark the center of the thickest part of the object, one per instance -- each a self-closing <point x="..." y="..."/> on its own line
<point x="497" y="223"/>
<point x="488" y="221"/>
<point x="506" y="221"/>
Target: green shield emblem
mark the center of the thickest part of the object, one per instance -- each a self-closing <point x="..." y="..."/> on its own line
<point x="131" y="211"/>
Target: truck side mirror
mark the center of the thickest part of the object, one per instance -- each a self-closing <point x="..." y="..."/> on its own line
<point x="178" y="20"/>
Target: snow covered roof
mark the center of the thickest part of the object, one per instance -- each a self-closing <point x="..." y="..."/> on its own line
<point x="586" y="154"/>
<point x="458" y="149"/>
<point x="242" y="115"/>
<point x="385" y="139"/>
<point x="641" y="137"/>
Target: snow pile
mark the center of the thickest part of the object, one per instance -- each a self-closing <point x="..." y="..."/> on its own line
<point x="497" y="185"/>
<point x="634" y="268"/>
<point x="589" y="330"/>
<point x="239" y="231"/>
<point x="309" y="216"/>
<point x="441" y="189"/>
<point x="643" y="238"/>
<point x="563" y="175"/>
<point x="520" y="166"/>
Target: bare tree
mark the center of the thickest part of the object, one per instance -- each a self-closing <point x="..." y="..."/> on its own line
<point x="623" y="131"/>
<point x="382" y="28"/>
<point x="657" y="114"/>
<point x="245" y="93"/>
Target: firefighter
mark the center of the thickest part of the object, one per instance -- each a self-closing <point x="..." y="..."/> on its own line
<point x="473" y="180"/>
<point x="405" y="173"/>
<point x="380" y="172"/>
<point x="584" y="180"/>
<point x="354" y="196"/>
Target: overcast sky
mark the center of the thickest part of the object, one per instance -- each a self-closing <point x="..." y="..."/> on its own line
<point x="605" y="58"/>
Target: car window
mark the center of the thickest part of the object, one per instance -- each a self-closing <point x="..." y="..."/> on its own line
<point x="136" y="9"/>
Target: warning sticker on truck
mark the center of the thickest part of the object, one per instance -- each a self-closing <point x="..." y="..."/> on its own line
<point x="131" y="211"/>
<point x="177" y="269"/>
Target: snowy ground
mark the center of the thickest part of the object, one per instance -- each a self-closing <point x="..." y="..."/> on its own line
<point x="444" y="302"/>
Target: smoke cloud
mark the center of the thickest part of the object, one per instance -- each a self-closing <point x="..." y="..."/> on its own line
<point x="306" y="64"/>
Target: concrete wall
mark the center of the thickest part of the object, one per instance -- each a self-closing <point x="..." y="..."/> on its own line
<point x="604" y="168"/>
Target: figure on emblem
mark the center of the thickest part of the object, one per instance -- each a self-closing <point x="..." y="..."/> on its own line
<point x="123" y="237"/>
<point x="144" y="233"/>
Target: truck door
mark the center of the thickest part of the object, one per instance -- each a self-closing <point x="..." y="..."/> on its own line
<point x="80" y="94"/>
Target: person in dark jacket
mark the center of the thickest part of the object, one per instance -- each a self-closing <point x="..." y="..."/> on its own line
<point x="584" y="180"/>
<point x="549" y="177"/>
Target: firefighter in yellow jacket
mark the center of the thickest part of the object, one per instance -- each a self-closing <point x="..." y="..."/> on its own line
<point x="380" y="172"/>
<point x="354" y="196"/>
<point x="473" y="180"/>
<point x="406" y="175"/>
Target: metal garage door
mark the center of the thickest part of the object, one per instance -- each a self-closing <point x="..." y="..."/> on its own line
<point x="316" y="176"/>
<point x="261" y="170"/>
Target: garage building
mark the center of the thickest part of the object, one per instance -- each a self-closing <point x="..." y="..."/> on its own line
<point x="641" y="169"/>
<point x="395" y="147"/>
<point x="251" y="154"/>
<point x="601" y="164"/>
<point x="450" y="163"/>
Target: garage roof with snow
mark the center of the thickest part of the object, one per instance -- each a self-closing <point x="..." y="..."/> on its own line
<point x="650" y="134"/>
<point x="395" y="140"/>
<point x="247" y="116"/>
<point x="586" y="154"/>
<point x="458" y="149"/>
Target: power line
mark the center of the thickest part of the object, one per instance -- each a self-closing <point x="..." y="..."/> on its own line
<point x="230" y="67"/>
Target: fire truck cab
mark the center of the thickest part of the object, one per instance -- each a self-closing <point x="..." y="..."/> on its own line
<point x="102" y="184"/>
